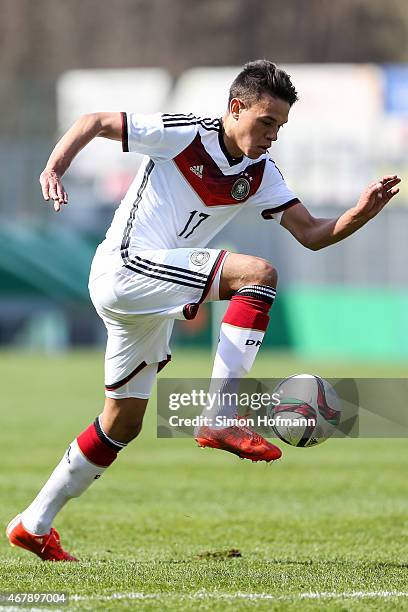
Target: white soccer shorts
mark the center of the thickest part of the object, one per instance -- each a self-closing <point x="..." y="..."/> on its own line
<point x="138" y="302"/>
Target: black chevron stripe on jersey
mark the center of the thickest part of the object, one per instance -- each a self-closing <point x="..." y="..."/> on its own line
<point x="169" y="117"/>
<point x="126" y="234"/>
<point x="209" y="129"/>
<point x="137" y="259"/>
<point x="209" y="123"/>
<point x="180" y="120"/>
<point x="209" y="120"/>
<point x="178" y="116"/>
<point x="186" y="121"/>
<point x="166" y="273"/>
<point x="169" y="277"/>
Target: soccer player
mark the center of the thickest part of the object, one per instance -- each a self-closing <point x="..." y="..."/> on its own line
<point x="154" y="267"/>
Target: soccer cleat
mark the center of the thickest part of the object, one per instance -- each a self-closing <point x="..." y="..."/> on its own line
<point x="47" y="547"/>
<point x="241" y="441"/>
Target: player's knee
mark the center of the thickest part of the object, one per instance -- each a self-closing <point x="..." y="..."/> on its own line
<point x="134" y="429"/>
<point x="122" y="419"/>
<point x="263" y="273"/>
<point x="126" y="431"/>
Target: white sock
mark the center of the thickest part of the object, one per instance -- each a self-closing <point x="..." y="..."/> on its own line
<point x="72" y="476"/>
<point x="241" y="334"/>
<point x="237" y="349"/>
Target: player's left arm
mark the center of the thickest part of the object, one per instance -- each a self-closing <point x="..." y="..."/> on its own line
<point x="85" y="129"/>
<point x="316" y="233"/>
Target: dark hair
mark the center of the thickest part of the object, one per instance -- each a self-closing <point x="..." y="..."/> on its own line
<point x="259" y="77"/>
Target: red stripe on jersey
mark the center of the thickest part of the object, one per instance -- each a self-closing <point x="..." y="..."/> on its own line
<point x="211" y="185"/>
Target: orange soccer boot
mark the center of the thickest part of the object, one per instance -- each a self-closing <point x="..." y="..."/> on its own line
<point x="240" y="440"/>
<point x="47" y="547"/>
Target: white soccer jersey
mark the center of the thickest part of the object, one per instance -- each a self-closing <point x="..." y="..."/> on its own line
<point x="147" y="272"/>
<point x="188" y="187"/>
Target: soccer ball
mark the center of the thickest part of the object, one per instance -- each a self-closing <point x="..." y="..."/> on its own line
<point x="308" y="413"/>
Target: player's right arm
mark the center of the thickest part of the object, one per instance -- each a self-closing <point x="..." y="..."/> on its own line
<point x="85" y="129"/>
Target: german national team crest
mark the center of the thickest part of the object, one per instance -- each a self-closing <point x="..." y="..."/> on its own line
<point x="199" y="258"/>
<point x="240" y="189"/>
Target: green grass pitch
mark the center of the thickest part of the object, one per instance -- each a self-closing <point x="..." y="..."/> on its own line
<point x="323" y="529"/>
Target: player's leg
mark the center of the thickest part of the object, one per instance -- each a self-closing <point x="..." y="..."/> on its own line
<point x="137" y="348"/>
<point x="241" y="270"/>
<point x="250" y="285"/>
<point x="122" y="419"/>
<point x="87" y="458"/>
<point x="187" y="277"/>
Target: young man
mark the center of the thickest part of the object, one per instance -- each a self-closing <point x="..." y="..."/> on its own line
<point x="154" y="267"/>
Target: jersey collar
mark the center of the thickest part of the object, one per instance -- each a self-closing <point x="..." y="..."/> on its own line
<point x="233" y="161"/>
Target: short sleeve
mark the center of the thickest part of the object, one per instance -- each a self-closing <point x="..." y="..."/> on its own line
<point x="273" y="196"/>
<point x="155" y="135"/>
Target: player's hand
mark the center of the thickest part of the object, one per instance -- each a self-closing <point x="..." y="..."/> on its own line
<point x="376" y="196"/>
<point x="53" y="189"/>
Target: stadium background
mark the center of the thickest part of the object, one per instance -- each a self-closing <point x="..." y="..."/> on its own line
<point x="350" y="125"/>
<point x="326" y="520"/>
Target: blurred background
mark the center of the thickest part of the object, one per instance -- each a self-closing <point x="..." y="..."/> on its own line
<point x="347" y="60"/>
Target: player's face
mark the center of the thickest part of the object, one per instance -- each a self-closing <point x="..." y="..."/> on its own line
<point x="257" y="126"/>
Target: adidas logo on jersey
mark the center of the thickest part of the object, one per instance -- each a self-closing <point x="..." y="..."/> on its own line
<point x="198" y="170"/>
